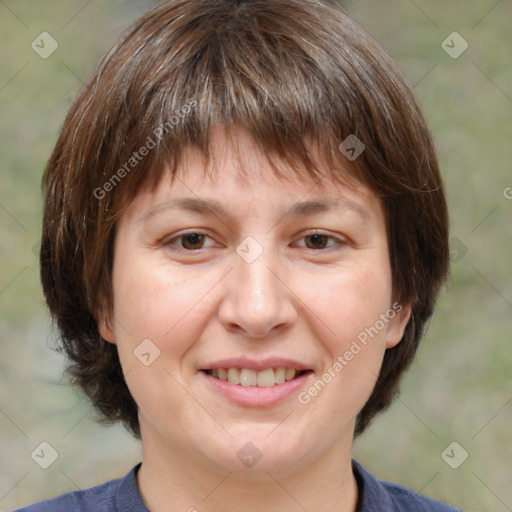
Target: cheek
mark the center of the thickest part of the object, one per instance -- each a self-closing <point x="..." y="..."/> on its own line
<point x="167" y="306"/>
<point x="353" y="336"/>
<point x="348" y="303"/>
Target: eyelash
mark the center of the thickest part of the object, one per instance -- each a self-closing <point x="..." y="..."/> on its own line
<point x="170" y="242"/>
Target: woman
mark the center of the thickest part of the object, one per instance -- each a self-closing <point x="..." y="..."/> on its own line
<point x="245" y="231"/>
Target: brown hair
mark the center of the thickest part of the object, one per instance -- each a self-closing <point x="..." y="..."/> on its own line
<point x="294" y="73"/>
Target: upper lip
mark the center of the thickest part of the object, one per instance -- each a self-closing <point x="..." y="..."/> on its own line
<point x="256" y="364"/>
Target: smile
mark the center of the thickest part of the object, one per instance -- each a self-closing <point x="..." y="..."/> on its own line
<point x="248" y="377"/>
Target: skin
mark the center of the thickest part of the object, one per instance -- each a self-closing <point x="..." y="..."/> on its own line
<point x="204" y="303"/>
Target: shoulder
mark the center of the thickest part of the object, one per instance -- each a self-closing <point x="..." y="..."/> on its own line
<point x="378" y="496"/>
<point x="113" y="496"/>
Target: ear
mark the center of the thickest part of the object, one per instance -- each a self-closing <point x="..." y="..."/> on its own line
<point x="105" y="326"/>
<point x="398" y="323"/>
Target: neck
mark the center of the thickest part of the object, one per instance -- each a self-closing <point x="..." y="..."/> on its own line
<point x="170" y="477"/>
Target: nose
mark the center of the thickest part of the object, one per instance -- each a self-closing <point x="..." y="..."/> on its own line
<point x="258" y="299"/>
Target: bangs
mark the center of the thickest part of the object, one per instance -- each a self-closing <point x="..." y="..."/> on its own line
<point x="236" y="66"/>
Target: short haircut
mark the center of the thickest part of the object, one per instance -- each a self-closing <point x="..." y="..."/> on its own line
<point x="296" y="74"/>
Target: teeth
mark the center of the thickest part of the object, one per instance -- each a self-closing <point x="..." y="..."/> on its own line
<point x="280" y="375"/>
<point x="234" y="375"/>
<point x="290" y="373"/>
<point x="247" y="377"/>
<point x="266" y="378"/>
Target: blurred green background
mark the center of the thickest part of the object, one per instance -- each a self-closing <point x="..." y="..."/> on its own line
<point x="460" y="387"/>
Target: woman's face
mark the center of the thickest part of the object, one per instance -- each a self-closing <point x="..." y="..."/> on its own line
<point x="256" y="282"/>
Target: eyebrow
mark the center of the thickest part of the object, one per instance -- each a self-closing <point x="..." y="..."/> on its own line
<point x="325" y="205"/>
<point x="214" y="207"/>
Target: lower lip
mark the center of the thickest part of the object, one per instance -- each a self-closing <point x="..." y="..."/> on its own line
<point x="254" y="396"/>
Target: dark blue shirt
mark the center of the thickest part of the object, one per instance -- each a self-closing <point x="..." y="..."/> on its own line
<point x="122" y="495"/>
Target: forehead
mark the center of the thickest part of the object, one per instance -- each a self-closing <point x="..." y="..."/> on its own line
<point x="238" y="176"/>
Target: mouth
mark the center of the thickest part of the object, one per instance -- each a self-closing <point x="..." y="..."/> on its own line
<point x="248" y="377"/>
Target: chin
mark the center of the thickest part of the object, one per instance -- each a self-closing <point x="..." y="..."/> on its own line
<point x="253" y="453"/>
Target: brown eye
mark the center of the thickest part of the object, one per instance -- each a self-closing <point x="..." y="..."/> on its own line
<point x="316" y="241"/>
<point x="192" y="241"/>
